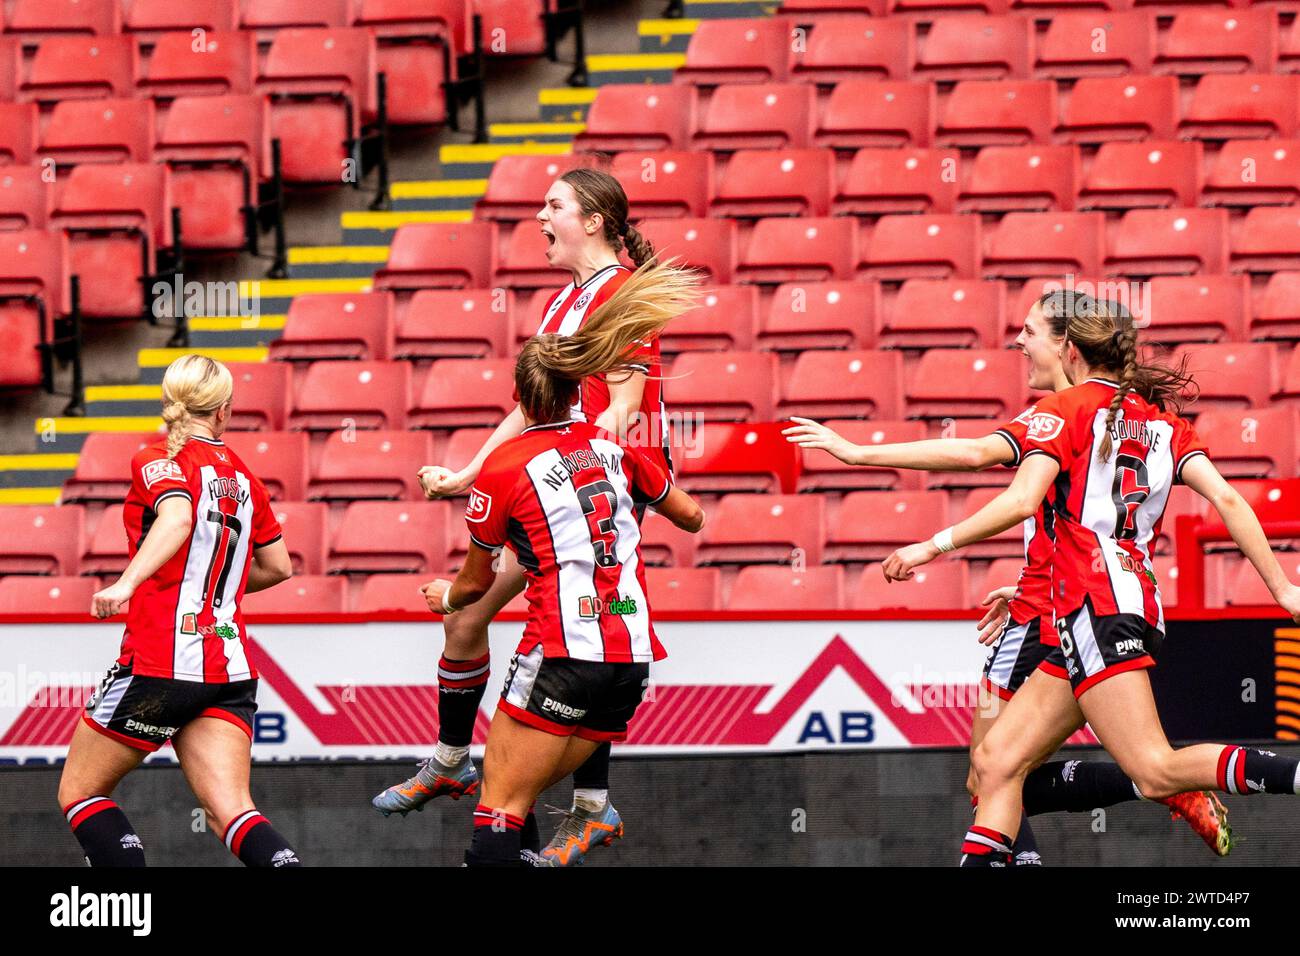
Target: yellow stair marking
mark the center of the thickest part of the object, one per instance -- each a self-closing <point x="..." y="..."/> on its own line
<point x="122" y="393"/>
<point x="659" y="28"/>
<point x="627" y="62"/>
<point x="491" y="152"/>
<point x="30" y="496"/>
<point x="536" y="129"/>
<point x="391" y="220"/>
<point x="318" y="255"/>
<point x="106" y="423"/>
<point x="236" y="323"/>
<point x="50" y="461"/>
<point x="438" y="189"/>
<point x="153" y="358"/>
<point x="287" y="288"/>
<point x="566" y="96"/>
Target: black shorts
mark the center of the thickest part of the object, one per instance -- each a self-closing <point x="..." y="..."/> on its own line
<point x="145" y="712"/>
<point x="1017" y="653"/>
<point x="567" y="697"/>
<point x="1094" y="647"/>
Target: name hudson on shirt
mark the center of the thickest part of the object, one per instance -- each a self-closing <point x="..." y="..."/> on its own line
<point x="75" y="908"/>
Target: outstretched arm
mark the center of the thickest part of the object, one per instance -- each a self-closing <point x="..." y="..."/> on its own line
<point x="1201" y="476"/>
<point x="440" y="482"/>
<point x="932" y="454"/>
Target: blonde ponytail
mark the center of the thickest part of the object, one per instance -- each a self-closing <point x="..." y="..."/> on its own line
<point x="194" y="386"/>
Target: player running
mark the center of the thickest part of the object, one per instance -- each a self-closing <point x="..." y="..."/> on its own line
<point x="584" y="220"/>
<point x="1107" y="452"/>
<point x="1018" y="622"/>
<point x="562" y="496"/>
<point x="201" y="534"/>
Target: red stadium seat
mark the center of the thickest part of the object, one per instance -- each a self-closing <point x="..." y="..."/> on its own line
<point x="517" y="25"/>
<point x="305" y="525"/>
<point x="827" y="384"/>
<point x="921" y="247"/>
<point x="41" y="539"/>
<point x="824" y="472"/>
<point x="725" y="318"/>
<point x="1152" y="173"/>
<point x="118" y="219"/>
<point x="1071" y="49"/>
<point x="1219" y="41"/>
<point x="77" y="67"/>
<point x="333" y="395"/>
<point x="104" y="466"/>
<point x="1008" y="544"/>
<point x="967" y="383"/>
<point x="439" y="255"/>
<point x="455" y="323"/>
<point x="99" y="131"/>
<point x="374" y="464"/>
<point x="11" y="62"/>
<point x="786" y="589"/>
<point x="764" y="529"/>
<point x="322" y="84"/>
<point x="1245" y="588"/>
<point x="970" y="428"/>
<point x="1243" y="106"/>
<point x="737" y="51"/>
<point x="521" y="259"/>
<point x="1256" y="443"/>
<point x="1169" y="242"/>
<point x="106" y="548"/>
<point x="975" y="48"/>
<point x="725" y="386"/>
<point x="1288" y="53"/>
<point x="1001" y="573"/>
<point x="33" y="292"/>
<point x="268" y="16"/>
<point x="679" y="589"/>
<point x="224" y="64"/>
<point x="64" y="16"/>
<point x="150" y="19"/>
<point x="761" y="116"/>
<point x="663" y="544"/>
<point x="19" y="594"/>
<point x="998" y="113"/>
<point x="857" y="48"/>
<point x="1202" y="308"/>
<point x="945" y="313"/>
<point x="1182" y="501"/>
<point x="262" y="395"/>
<point x="1276" y="314"/>
<point x="721" y="456"/>
<point x="821" y="315"/>
<point x="877" y="113"/>
<point x="415" y="39"/>
<point x="1274" y="173"/>
<point x="1290" y="387"/>
<point x="279" y="459"/>
<point x="337" y="325"/>
<point x="25" y="196"/>
<point x="665" y="183"/>
<point x="776" y="182"/>
<point x="385" y="593"/>
<point x="637" y="116"/>
<point x="375" y="536"/>
<point x="871" y="525"/>
<point x="942" y="585"/>
<point x="301" y="594"/>
<point x="1006" y="178"/>
<point x="1106" y="109"/>
<point x="19" y="130"/>
<point x="874" y="8"/>
<point x="465" y="392"/>
<point x="462" y="445"/>
<point x="1268" y="241"/>
<point x="1230" y="376"/>
<point x="899" y="180"/>
<point x="799" y="250"/>
<point x="705" y="244"/>
<point x="517" y="184"/>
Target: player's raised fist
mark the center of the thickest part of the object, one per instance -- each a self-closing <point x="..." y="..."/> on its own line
<point x="439" y="482"/>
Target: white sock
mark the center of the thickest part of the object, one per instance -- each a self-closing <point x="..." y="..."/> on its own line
<point x="593" y="801"/>
<point x="1138" y="792"/>
<point x="448" y="755"/>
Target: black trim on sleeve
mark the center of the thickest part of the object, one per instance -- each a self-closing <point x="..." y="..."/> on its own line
<point x="1015" y="447"/>
<point x="1040" y="451"/>
<point x="169" y="493"/>
<point x="640" y="368"/>
<point x="668" y="486"/>
<point x="1178" y="469"/>
<point x="268" y="542"/>
<point x="485" y="546"/>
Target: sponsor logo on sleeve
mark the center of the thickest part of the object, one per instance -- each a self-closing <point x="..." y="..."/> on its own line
<point x="1043" y="426"/>
<point x="479" y="506"/>
<point x="164" y="469"/>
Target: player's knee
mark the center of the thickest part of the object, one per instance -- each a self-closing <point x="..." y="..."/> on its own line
<point x="1154" y="779"/>
<point x="991" y="765"/>
<point x="466" y="636"/>
<point x="71" y="791"/>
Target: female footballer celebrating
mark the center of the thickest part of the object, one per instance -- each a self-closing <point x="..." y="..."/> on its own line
<point x="201" y="534"/>
<point x="562" y="495"/>
<point x="1019" y="618"/>
<point x="584" y="220"/>
<point x="1108" y="453"/>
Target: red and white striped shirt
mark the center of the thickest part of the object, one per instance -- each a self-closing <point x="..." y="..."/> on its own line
<point x="184" y="623"/>
<point x="562" y="497"/>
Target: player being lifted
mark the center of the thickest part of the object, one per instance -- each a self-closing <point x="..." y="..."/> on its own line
<point x="201" y="535"/>
<point x="563" y="496"/>
<point x="1019" y="618"/>
<point x="1107" y="451"/>
<point x="584" y="219"/>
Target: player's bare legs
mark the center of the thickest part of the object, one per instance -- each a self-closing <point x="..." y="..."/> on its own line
<point x="95" y="766"/>
<point x="215" y="756"/>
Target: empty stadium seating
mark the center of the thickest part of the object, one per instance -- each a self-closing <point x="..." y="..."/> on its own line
<point x="337" y="326"/>
<point x="770" y="588"/>
<point x="49" y="595"/>
<point x="384" y="536"/>
<point x="821" y="315"/>
<point x="938" y="586"/>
